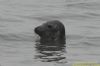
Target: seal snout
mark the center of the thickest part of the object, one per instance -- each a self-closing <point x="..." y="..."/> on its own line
<point x="38" y="30"/>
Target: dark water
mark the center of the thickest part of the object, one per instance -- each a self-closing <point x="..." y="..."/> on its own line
<point x="18" y="18"/>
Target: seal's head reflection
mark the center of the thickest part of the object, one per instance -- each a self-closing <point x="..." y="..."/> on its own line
<point x="48" y="53"/>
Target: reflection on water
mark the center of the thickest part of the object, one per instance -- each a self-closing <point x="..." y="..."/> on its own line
<point x="50" y="52"/>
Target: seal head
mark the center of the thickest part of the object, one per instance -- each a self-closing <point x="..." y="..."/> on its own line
<point x="52" y="30"/>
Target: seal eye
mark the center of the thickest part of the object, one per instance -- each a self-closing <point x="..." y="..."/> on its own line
<point x="49" y="26"/>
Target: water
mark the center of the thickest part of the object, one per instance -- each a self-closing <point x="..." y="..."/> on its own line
<point x="18" y="18"/>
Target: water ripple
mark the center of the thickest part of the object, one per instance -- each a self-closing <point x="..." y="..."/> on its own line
<point x="87" y="5"/>
<point x="15" y="37"/>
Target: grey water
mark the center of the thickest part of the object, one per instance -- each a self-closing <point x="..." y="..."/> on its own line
<point x="18" y="18"/>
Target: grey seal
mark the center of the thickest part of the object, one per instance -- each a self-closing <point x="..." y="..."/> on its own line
<point x="51" y="31"/>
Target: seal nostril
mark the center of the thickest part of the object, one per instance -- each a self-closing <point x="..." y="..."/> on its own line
<point x="36" y="30"/>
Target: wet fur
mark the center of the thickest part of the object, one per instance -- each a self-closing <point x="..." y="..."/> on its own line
<point x="51" y="31"/>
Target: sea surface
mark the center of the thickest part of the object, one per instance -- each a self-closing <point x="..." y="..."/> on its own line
<point x="18" y="18"/>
